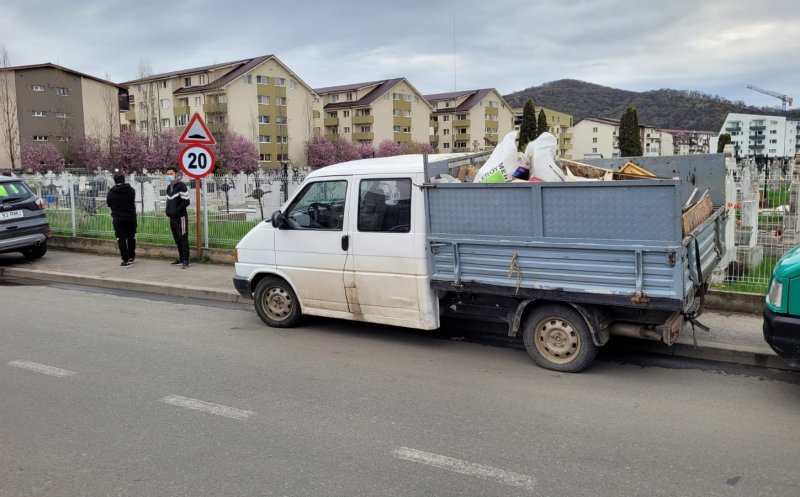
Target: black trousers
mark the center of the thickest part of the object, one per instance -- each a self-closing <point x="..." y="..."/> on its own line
<point x="125" y="231"/>
<point x="180" y="233"/>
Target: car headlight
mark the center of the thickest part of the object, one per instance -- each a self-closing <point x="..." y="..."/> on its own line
<point x="775" y="295"/>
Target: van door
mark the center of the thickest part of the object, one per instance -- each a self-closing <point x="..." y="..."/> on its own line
<point x="386" y="274"/>
<point x="312" y="250"/>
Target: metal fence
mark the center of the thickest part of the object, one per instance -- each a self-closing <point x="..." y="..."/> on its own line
<point x="231" y="204"/>
<point x="763" y="202"/>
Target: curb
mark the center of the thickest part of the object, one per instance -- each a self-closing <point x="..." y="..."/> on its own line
<point x="739" y="302"/>
<point x="185" y="291"/>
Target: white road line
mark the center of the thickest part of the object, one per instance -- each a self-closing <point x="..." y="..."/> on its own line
<point x="41" y="368"/>
<point x="200" y="405"/>
<point x="465" y="468"/>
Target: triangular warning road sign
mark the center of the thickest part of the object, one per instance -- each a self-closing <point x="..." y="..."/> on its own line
<point x="197" y="132"/>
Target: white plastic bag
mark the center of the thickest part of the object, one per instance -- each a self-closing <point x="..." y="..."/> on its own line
<point x="541" y="154"/>
<point x="501" y="165"/>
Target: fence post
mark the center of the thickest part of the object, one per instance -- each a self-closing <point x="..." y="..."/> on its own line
<point x="72" y="205"/>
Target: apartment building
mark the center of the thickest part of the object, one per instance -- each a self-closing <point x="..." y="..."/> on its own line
<point x="259" y="98"/>
<point x="50" y="103"/>
<point x="691" y="142"/>
<point x="374" y="111"/>
<point x="760" y="136"/>
<point x="467" y="121"/>
<point x="559" y="124"/>
<point x="599" y="136"/>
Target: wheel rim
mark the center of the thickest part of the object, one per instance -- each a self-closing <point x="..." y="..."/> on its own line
<point x="556" y="340"/>
<point x="278" y="303"/>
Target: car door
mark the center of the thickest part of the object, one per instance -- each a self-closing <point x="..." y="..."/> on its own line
<point x="311" y="248"/>
<point x="386" y="276"/>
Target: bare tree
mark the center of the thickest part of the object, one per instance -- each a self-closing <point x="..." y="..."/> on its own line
<point x="147" y="102"/>
<point x="64" y="111"/>
<point x="106" y="128"/>
<point x="9" y="124"/>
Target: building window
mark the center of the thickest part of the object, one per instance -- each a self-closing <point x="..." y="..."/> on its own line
<point x="263" y="99"/>
<point x="406" y="113"/>
<point x="165" y="103"/>
<point x="280" y="119"/>
<point x="39" y="113"/>
<point x="292" y="84"/>
<point x="345" y="113"/>
<point x="445" y="118"/>
<point x="165" y="123"/>
<point x="39" y="138"/>
<point x="182" y="120"/>
<point x="347" y="129"/>
<point x="203" y="79"/>
<point x="334" y="99"/>
<point x="445" y="131"/>
<point x="247" y="79"/>
<point x="397" y="112"/>
<point x="62" y="92"/>
<point x="446" y="145"/>
<point x="262" y="80"/>
<point x="280" y="101"/>
<point x="396" y="129"/>
<point x="594" y="130"/>
<point x="332" y="114"/>
<point x="362" y="112"/>
<point x="187" y="81"/>
<point x="265" y="157"/>
<point x="263" y="119"/>
<point x="63" y="115"/>
<point x="594" y="150"/>
<point x="37" y="87"/>
<point x="64" y="138"/>
<point x="594" y="140"/>
<point x="163" y="84"/>
<point x="281" y="139"/>
<point x="264" y="139"/>
<point x="349" y="96"/>
<point x="280" y="81"/>
<point x="198" y="100"/>
<point x="143" y="125"/>
<point x="366" y="129"/>
<point x="463" y="117"/>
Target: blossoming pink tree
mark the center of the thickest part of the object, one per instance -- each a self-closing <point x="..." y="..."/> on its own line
<point x="41" y="158"/>
<point x="88" y="153"/>
<point x="164" y="151"/>
<point x="388" y="148"/>
<point x="320" y="152"/>
<point x="129" y="153"/>
<point x="240" y="155"/>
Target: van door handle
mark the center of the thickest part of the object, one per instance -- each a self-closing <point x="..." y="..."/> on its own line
<point x="345" y="242"/>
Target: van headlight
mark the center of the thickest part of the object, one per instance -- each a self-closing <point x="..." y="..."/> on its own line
<point x="775" y="295"/>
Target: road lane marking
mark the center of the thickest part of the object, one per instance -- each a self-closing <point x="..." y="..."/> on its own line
<point x="465" y="468"/>
<point x="201" y="405"/>
<point x="41" y="368"/>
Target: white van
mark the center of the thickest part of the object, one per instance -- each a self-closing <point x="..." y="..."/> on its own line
<point x="351" y="243"/>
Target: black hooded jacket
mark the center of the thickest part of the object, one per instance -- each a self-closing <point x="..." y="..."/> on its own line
<point x="177" y="198"/>
<point x="122" y="201"/>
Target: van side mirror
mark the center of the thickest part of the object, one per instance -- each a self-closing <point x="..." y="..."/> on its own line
<point x="278" y="221"/>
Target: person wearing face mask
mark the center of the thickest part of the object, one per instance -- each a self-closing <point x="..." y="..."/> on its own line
<point x="177" y="202"/>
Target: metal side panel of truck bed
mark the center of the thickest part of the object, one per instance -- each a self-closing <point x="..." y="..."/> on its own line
<point x="610" y="243"/>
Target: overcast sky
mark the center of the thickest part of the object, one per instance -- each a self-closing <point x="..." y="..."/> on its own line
<point x="709" y="45"/>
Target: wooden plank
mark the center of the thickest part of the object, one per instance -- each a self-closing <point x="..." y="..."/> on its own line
<point x="696" y="214"/>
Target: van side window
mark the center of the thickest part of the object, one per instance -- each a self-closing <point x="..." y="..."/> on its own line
<point x="320" y="206"/>
<point x="384" y="205"/>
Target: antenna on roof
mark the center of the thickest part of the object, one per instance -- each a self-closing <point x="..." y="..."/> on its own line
<point x="455" y="72"/>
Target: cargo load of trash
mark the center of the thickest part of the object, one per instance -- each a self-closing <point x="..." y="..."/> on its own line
<point x="538" y="163"/>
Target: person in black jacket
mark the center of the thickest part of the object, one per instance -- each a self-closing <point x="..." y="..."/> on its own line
<point x="177" y="202"/>
<point x="121" y="198"/>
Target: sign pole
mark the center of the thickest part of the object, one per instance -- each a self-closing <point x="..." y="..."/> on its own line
<point x="198" y="184"/>
<point x="205" y="214"/>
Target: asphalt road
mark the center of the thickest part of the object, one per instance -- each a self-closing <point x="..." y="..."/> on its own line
<point x="112" y="394"/>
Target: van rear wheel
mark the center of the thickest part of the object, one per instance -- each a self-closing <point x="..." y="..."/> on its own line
<point x="276" y="303"/>
<point x="558" y="338"/>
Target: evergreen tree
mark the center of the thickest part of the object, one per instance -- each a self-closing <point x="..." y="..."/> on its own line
<point x="527" y="129"/>
<point x="541" y="123"/>
<point x="724" y="139"/>
<point x="630" y="143"/>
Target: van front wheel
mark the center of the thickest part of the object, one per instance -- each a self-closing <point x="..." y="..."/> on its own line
<point x="558" y="338"/>
<point x="276" y="303"/>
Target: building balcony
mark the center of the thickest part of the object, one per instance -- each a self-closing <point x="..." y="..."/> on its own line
<point x="461" y="123"/>
<point x="217" y="128"/>
<point x="401" y="121"/>
<point x="461" y="149"/>
<point x="130" y="115"/>
<point x="757" y="147"/>
<point x="331" y="121"/>
<point x="364" y="136"/>
<point x="757" y="128"/>
<point x="401" y="104"/>
<point x="402" y="137"/>
<point x="218" y="108"/>
<point x="461" y="137"/>
<point x="363" y="120"/>
<point x="434" y="139"/>
<point x="331" y="136"/>
<point x="182" y="110"/>
<point x="733" y="128"/>
<point x="433" y="124"/>
<point x="315" y="114"/>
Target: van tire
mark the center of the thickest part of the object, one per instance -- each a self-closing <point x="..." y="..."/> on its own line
<point x="276" y="303"/>
<point x="558" y="338"/>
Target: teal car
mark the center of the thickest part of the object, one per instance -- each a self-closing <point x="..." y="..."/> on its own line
<point x="782" y="308"/>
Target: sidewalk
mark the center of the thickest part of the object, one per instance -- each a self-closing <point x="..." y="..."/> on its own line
<point x="735" y="338"/>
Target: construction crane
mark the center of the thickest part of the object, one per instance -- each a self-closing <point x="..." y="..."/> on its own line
<point x="785" y="99"/>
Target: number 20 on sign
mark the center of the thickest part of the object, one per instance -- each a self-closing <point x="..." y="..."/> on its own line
<point x="197" y="161"/>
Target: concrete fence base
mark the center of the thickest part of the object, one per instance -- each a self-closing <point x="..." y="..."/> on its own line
<point x="149" y="250"/>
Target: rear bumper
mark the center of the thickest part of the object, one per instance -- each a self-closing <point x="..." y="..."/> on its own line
<point x="11" y="244"/>
<point x="242" y="286"/>
<point x="782" y="333"/>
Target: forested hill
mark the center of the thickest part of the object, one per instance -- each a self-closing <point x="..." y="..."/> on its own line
<point x="671" y="109"/>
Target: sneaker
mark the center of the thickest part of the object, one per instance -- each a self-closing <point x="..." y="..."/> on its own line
<point x="176" y="262"/>
<point x="184" y="264"/>
<point x="132" y="260"/>
<point x="125" y="264"/>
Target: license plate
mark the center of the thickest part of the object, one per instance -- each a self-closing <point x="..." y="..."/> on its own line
<point x="11" y="215"/>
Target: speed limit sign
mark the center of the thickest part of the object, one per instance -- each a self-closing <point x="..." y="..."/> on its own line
<point x="197" y="161"/>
